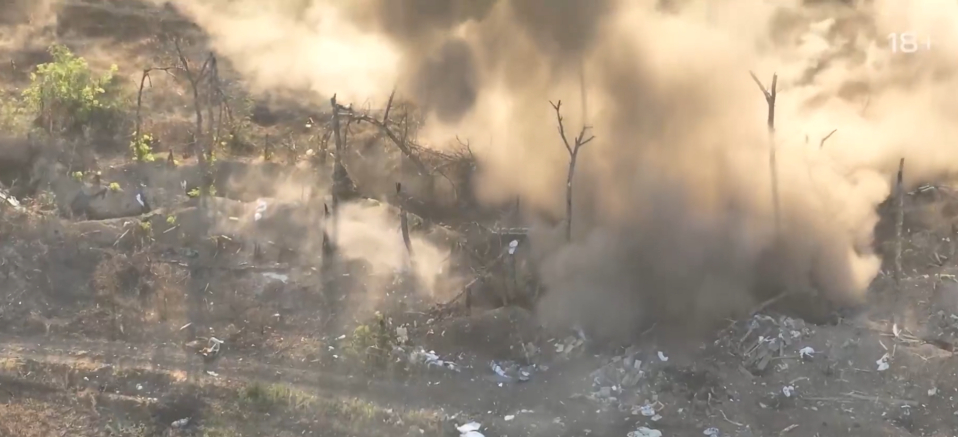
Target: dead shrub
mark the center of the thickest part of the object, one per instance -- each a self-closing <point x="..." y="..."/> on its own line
<point x="167" y="299"/>
<point x="122" y="283"/>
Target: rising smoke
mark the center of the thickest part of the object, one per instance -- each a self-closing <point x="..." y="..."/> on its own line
<point x="674" y="216"/>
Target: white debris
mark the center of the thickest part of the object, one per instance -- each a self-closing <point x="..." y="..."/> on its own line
<point x="470" y="429"/>
<point x="10" y="200"/>
<point x="647" y="410"/>
<point x="430" y="359"/>
<point x="883" y="363"/>
<point x="932" y="391"/>
<point x="139" y="199"/>
<point x="181" y="423"/>
<point x="656" y="418"/>
<point x="260" y="209"/>
<point x="277" y="276"/>
<point x="513" y="245"/>
<point x="662" y="357"/>
<point x="712" y="432"/>
<point x="509" y="417"/>
<point x="471" y="426"/>
<point x="806" y="352"/>
<point x="645" y="432"/>
<point x="788" y="390"/>
<point x="402" y="335"/>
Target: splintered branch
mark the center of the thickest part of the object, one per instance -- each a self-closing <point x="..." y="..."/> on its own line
<point x="770" y="95"/>
<point x="573" y="149"/>
<point x="389" y="105"/>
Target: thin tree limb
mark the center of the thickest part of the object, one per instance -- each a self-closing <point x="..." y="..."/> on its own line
<point x="822" y="143"/>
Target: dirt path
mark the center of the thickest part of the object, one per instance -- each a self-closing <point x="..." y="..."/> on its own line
<point x="155" y="370"/>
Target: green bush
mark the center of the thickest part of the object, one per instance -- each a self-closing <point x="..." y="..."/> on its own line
<point x="67" y="97"/>
<point x="142" y="148"/>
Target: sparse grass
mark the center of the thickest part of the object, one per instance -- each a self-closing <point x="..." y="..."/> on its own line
<point x="275" y="396"/>
<point x="349" y="411"/>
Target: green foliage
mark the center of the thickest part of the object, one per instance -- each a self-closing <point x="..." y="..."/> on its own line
<point x="196" y="192"/>
<point x="66" y="96"/>
<point x="373" y="344"/>
<point x="77" y="175"/>
<point x="114" y="186"/>
<point x="142" y="148"/>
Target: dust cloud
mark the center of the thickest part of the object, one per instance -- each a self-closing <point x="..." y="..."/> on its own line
<point x="674" y="218"/>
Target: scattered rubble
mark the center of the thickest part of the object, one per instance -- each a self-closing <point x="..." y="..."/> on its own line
<point x="769" y="338"/>
<point x="511" y="371"/>
<point x="431" y="359"/>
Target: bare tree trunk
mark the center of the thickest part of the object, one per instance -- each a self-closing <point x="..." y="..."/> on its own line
<point x="404" y="221"/>
<point x="573" y="150"/>
<point x="199" y="137"/>
<point x="338" y="171"/>
<point x="771" y="94"/>
<point x="899" y="222"/>
<point x="568" y="195"/>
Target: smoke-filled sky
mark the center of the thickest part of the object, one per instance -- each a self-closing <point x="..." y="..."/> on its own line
<point x="674" y="210"/>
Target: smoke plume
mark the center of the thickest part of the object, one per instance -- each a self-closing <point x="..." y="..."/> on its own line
<point x="674" y="216"/>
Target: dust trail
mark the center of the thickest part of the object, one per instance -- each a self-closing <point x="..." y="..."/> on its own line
<point x="674" y="212"/>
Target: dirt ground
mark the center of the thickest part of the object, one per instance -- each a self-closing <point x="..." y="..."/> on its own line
<point x="109" y="327"/>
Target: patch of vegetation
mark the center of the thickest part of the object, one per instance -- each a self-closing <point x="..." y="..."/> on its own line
<point x="354" y="411"/>
<point x="120" y="429"/>
<point x="373" y="344"/>
<point x="12" y="117"/>
<point x="275" y="396"/>
<point x="196" y="192"/>
<point x="142" y="148"/>
<point x="66" y="96"/>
